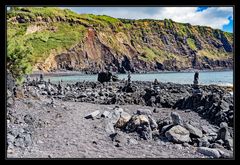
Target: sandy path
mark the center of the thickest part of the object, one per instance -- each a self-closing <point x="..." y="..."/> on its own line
<point x="63" y="132"/>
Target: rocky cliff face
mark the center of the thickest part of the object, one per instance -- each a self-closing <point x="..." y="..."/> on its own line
<point x="124" y="45"/>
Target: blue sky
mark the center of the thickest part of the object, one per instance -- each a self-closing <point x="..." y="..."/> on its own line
<point x="228" y="27"/>
<point x="215" y="17"/>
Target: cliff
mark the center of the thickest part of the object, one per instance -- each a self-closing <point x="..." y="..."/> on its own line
<point x="61" y="39"/>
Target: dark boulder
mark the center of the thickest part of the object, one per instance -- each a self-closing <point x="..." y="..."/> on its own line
<point x="104" y="77"/>
<point x="129" y="88"/>
<point x="145" y="132"/>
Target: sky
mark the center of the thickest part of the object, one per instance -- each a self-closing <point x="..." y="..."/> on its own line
<point x="215" y="17"/>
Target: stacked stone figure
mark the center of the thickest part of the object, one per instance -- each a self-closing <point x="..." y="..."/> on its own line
<point x="48" y="88"/>
<point x="60" y="89"/>
<point x="41" y="78"/>
<point x="129" y="78"/>
<point x="128" y="86"/>
<point x="156" y="85"/>
<point x="195" y="82"/>
<point x="196" y="89"/>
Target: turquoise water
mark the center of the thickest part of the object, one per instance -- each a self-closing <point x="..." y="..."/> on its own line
<point x="205" y="78"/>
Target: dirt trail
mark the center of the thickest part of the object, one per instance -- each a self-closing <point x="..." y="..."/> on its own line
<point x="63" y="132"/>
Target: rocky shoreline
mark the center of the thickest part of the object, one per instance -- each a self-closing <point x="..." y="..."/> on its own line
<point x="213" y="104"/>
<point x="72" y="73"/>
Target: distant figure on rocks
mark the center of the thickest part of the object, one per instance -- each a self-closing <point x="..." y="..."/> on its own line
<point x="49" y="81"/>
<point x="128" y="86"/>
<point x="196" y="77"/>
<point x="155" y="82"/>
<point x="196" y="90"/>
<point x="41" y="77"/>
<point x="129" y="77"/>
<point x="59" y="87"/>
<point x="156" y="85"/>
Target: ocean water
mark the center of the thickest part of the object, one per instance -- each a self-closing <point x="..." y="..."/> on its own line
<point x="205" y="78"/>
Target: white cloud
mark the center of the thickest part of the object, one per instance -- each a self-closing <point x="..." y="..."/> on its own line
<point x="215" y="17"/>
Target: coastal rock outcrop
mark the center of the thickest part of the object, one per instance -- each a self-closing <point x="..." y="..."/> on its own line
<point x="95" y="42"/>
<point x="214" y="103"/>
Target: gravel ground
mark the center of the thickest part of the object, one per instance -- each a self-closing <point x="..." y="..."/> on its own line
<point x="62" y="131"/>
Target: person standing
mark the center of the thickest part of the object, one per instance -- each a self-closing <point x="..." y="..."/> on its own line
<point x="129" y="78"/>
<point x="41" y="77"/>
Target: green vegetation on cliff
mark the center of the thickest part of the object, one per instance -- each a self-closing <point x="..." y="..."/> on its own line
<point x="191" y="43"/>
<point x="18" y="56"/>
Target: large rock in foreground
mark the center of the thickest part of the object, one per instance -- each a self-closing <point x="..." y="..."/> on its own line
<point x="178" y="134"/>
<point x="112" y="119"/>
<point x="193" y="130"/>
<point x="122" y="121"/>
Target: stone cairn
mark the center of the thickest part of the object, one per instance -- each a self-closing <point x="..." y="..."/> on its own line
<point x="60" y="88"/>
<point x="215" y="143"/>
<point x="196" y="77"/>
<point x="114" y="77"/>
<point x="128" y="86"/>
<point x="196" y="89"/>
<point x="129" y="79"/>
<point x="41" y="78"/>
<point x="156" y="85"/>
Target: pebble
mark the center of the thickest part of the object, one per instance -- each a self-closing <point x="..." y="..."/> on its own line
<point x="132" y="141"/>
<point x="40" y="142"/>
<point x="10" y="151"/>
<point x="45" y="135"/>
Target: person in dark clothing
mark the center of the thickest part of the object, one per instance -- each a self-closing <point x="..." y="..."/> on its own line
<point x="156" y="85"/>
<point x="129" y="77"/>
<point x="196" y="76"/>
<point x="41" y="77"/>
<point x="196" y="89"/>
